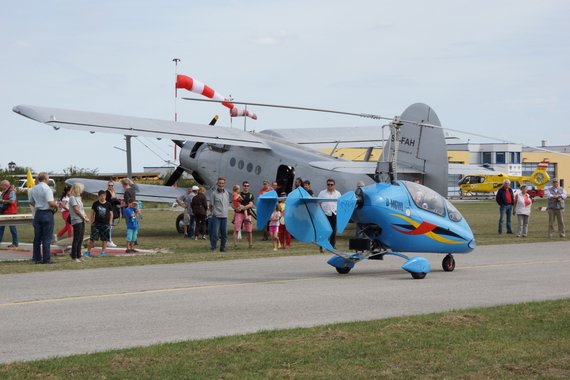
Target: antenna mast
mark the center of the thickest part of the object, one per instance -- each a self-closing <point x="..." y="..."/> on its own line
<point x="175" y="60"/>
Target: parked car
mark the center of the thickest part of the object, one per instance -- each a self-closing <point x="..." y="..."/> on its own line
<point x="22" y="185"/>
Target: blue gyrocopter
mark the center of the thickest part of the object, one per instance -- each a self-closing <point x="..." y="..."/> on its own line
<point x="390" y="218"/>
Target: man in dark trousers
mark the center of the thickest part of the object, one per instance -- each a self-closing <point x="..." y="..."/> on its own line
<point x="41" y="198"/>
<point x="505" y="199"/>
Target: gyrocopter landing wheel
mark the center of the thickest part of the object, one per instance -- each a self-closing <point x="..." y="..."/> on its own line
<point x="448" y="263"/>
<point x="343" y="270"/>
<point x="418" y="276"/>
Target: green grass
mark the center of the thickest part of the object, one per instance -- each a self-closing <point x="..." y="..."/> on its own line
<point x="528" y="341"/>
<point x="158" y="232"/>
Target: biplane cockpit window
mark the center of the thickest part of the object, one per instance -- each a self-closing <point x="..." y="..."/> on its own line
<point x="426" y="198"/>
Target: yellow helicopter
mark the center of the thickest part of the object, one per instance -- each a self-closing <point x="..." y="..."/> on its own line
<point x="490" y="183"/>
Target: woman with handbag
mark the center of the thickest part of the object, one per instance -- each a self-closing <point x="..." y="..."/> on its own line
<point x="521" y="209"/>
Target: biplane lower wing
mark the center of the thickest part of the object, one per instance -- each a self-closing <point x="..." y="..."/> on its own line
<point x="145" y="193"/>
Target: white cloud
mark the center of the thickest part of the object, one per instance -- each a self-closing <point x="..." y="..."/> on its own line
<point x="266" y="40"/>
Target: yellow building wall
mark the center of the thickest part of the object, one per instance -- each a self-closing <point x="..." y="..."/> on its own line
<point x="354" y="154"/>
<point x="458" y="156"/>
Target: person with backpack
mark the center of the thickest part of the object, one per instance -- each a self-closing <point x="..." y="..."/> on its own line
<point x="9" y="206"/>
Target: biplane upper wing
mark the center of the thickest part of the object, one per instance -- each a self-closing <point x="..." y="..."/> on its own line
<point x="137" y="126"/>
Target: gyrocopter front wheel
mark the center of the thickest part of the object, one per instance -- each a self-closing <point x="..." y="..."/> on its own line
<point x="448" y="263"/>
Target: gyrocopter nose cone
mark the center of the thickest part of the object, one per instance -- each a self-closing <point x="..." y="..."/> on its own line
<point x="472" y="244"/>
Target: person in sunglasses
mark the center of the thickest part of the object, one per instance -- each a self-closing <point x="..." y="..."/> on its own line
<point x="330" y="207"/>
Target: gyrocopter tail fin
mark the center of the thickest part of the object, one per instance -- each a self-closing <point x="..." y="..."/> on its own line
<point x="305" y="219"/>
<point x="265" y="205"/>
<point x="345" y="207"/>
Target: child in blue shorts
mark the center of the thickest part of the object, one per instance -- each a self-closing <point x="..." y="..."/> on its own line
<point x="130" y="214"/>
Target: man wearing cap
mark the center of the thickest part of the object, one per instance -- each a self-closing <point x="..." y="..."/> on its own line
<point x="556" y="196"/>
<point x="185" y="201"/>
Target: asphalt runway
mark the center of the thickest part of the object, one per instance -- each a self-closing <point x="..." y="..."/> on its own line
<point x="68" y="312"/>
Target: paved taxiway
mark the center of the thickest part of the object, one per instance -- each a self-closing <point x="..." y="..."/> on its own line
<point x="67" y="312"/>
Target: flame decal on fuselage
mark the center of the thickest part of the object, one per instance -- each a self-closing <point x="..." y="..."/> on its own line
<point x="424" y="228"/>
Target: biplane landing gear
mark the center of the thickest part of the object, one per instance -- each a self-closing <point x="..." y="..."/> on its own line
<point x="448" y="263"/>
<point x="343" y="270"/>
<point x="180" y="224"/>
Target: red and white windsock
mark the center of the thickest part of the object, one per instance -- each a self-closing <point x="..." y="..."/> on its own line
<point x="242" y="112"/>
<point x="190" y="84"/>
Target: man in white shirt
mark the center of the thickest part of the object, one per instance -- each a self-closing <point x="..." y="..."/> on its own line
<point x="330" y="207"/>
<point x="41" y="198"/>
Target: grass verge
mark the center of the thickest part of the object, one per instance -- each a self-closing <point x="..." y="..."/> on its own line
<point x="511" y="342"/>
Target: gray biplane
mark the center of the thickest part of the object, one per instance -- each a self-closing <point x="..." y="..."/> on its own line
<point x="278" y="155"/>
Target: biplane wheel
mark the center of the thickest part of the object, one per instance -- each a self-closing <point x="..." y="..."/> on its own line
<point x="180" y="223"/>
<point x="448" y="263"/>
<point x="343" y="270"/>
<point x="418" y="276"/>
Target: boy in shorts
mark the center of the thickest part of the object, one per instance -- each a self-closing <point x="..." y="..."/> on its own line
<point x="101" y="219"/>
<point x="130" y="215"/>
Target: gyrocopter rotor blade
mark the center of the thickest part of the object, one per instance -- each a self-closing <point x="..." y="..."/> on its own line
<point x="376" y="117"/>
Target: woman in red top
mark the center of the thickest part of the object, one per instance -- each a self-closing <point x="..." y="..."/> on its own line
<point x="9" y="206"/>
<point x="64" y="208"/>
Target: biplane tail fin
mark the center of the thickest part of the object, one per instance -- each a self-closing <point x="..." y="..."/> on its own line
<point x="422" y="152"/>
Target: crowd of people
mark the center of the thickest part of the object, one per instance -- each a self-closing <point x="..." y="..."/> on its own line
<point x="519" y="203"/>
<point x="211" y="213"/>
<point x="104" y="212"/>
<point x="207" y="215"/>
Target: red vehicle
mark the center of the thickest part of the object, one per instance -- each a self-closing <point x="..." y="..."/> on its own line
<point x="534" y="192"/>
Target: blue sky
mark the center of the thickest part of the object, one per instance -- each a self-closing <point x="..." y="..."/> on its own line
<point x="495" y="68"/>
